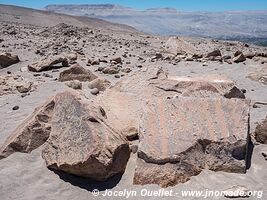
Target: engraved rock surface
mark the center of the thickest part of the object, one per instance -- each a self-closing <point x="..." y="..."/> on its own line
<point x="184" y="135"/>
<point x="81" y="142"/>
<point x="32" y="133"/>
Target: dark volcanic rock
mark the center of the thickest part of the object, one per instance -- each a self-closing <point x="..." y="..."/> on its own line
<point x="32" y="133"/>
<point x="188" y="135"/>
<point x="76" y="72"/>
<point x="82" y="143"/>
<point x="6" y="59"/>
<point x="214" y="53"/>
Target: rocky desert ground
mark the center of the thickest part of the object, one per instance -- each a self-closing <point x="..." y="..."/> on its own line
<point x="87" y="104"/>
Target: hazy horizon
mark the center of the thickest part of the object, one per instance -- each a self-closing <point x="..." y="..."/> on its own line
<point x="191" y="5"/>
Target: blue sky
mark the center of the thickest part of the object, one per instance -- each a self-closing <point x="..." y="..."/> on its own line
<point x="188" y="5"/>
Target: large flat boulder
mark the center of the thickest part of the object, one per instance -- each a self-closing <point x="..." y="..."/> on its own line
<point x="124" y="101"/>
<point x="32" y="133"/>
<point x="81" y="142"/>
<point x="6" y="59"/>
<point x="181" y="136"/>
<point x="49" y="63"/>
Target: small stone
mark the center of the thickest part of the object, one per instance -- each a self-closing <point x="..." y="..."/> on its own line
<point x="117" y="76"/>
<point x="236" y="192"/>
<point x="116" y="60"/>
<point x="134" y="148"/>
<point x="214" y="53"/>
<point x="24" y="88"/>
<point x="47" y="75"/>
<point x="15" y="108"/>
<point x="110" y="70"/>
<point x="94" y="91"/>
<point x="244" y="91"/>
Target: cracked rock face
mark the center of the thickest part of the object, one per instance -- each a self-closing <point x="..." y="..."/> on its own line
<point x="82" y="143"/>
<point x="187" y="135"/>
<point x="32" y="133"/>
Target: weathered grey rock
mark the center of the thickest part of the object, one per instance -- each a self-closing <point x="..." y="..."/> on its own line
<point x="32" y="133"/>
<point x="187" y="135"/>
<point x="24" y="87"/>
<point x="117" y="60"/>
<point x="250" y="55"/>
<point x="72" y="56"/>
<point x="261" y="132"/>
<point x="110" y="70"/>
<point x="10" y="84"/>
<point x="76" y="85"/>
<point x="81" y="142"/>
<point x="49" y="63"/>
<point x="6" y="59"/>
<point x="76" y="72"/>
<point x="100" y="83"/>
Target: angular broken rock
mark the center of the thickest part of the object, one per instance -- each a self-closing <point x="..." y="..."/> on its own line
<point x="6" y="59"/>
<point x="76" y="72"/>
<point x="239" y="58"/>
<point x="214" y="53"/>
<point x="82" y="143"/>
<point x="49" y="63"/>
<point x="261" y="132"/>
<point x="180" y="137"/>
<point x="32" y="133"/>
<point x="177" y="45"/>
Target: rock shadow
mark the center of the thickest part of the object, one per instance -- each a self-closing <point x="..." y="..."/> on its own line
<point x="88" y="184"/>
<point x="250" y="148"/>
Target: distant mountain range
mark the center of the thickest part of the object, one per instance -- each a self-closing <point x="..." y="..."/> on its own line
<point x="168" y="21"/>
